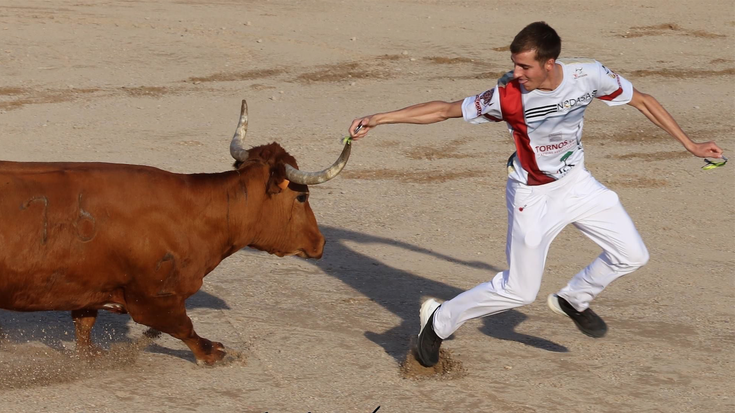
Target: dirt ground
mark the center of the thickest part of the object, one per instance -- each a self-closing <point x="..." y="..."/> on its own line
<point x="419" y="210"/>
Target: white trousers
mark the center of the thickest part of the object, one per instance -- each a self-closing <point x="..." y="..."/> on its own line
<point x="536" y="215"/>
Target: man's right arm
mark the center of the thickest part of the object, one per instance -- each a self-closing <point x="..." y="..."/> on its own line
<point x="422" y="113"/>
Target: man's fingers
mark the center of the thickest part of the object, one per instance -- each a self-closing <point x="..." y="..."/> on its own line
<point x="359" y="128"/>
<point x="361" y="133"/>
<point x="354" y="127"/>
<point x="708" y="150"/>
<point x="715" y="148"/>
<point x="715" y="152"/>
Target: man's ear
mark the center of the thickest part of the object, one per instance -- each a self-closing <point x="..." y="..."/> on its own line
<point x="277" y="181"/>
<point x="549" y="65"/>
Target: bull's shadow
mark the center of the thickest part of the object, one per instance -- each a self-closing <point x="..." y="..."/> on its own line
<point x="55" y="329"/>
<point x="400" y="292"/>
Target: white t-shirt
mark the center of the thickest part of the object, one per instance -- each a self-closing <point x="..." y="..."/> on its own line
<point x="547" y="125"/>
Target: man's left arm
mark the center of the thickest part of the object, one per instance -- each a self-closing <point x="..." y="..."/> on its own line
<point x="649" y="106"/>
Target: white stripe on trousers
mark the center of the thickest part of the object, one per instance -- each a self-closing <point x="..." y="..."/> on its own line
<point x="536" y="215"/>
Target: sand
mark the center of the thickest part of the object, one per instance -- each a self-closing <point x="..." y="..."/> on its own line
<point x="419" y="211"/>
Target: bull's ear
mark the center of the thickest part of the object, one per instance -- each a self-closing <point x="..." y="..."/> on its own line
<point x="277" y="181"/>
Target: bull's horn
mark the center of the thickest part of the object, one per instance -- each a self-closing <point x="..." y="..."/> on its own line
<point x="313" y="178"/>
<point x="236" y="146"/>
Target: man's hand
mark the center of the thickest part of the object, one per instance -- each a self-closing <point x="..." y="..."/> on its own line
<point x="366" y="126"/>
<point x="705" y="150"/>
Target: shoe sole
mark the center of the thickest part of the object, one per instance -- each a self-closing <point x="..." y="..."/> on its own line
<point x="553" y="304"/>
<point x="427" y="309"/>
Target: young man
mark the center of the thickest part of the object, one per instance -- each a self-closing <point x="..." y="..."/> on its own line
<point x="543" y="102"/>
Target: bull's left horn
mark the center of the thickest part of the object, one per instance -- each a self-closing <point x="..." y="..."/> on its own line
<point x="236" y="146"/>
<point x="313" y="178"/>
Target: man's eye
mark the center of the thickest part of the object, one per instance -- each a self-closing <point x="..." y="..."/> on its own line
<point x="302" y="198"/>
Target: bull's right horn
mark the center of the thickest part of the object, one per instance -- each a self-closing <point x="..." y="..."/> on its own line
<point x="236" y="146"/>
<point x="313" y="178"/>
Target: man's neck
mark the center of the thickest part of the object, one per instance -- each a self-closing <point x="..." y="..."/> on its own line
<point x="554" y="80"/>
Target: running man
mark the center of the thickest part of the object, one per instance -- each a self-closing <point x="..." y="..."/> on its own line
<point x="543" y="101"/>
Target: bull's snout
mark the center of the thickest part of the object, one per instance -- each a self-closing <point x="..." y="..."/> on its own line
<point x="319" y="249"/>
<point x="316" y="250"/>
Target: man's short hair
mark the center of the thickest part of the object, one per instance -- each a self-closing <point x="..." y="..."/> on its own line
<point x="540" y="37"/>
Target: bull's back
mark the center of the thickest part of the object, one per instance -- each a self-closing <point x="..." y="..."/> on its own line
<point x="72" y="234"/>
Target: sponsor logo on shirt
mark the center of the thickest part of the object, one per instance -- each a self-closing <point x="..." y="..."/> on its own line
<point x="610" y="72"/>
<point x="483" y="99"/>
<point x="567" y="167"/>
<point x="570" y="103"/>
<point x="559" y="107"/>
<point x="554" y="148"/>
<point x="579" y="72"/>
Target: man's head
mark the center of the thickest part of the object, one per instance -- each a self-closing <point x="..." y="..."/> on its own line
<point x="534" y="52"/>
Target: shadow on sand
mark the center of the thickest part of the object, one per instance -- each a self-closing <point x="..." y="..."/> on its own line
<point x="54" y="328"/>
<point x="401" y="292"/>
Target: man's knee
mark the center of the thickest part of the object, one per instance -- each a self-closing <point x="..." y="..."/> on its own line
<point x="521" y="298"/>
<point x="528" y="299"/>
<point x="635" y="258"/>
<point x="639" y="258"/>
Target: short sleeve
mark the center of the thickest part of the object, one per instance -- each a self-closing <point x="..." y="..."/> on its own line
<point x="482" y="108"/>
<point x="613" y="89"/>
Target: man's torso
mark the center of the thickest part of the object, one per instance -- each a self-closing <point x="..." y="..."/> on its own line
<point x="547" y="127"/>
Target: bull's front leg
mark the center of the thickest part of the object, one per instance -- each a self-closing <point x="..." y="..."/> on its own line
<point x="168" y="314"/>
<point x="83" y="322"/>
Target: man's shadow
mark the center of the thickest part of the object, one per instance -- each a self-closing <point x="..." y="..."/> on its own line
<point x="401" y="292"/>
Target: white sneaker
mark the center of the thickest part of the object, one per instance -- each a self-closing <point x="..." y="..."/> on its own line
<point x="427" y="348"/>
<point x="427" y="310"/>
<point x="553" y="302"/>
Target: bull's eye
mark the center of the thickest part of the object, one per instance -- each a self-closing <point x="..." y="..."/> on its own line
<point x="302" y="198"/>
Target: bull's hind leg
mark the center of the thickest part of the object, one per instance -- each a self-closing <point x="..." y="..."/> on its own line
<point x="168" y="314"/>
<point x="83" y="323"/>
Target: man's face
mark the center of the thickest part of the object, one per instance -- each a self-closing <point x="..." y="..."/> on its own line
<point x="529" y="72"/>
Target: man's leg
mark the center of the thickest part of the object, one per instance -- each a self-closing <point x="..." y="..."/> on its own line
<point x="623" y="252"/>
<point x="532" y="225"/>
<point x="530" y="232"/>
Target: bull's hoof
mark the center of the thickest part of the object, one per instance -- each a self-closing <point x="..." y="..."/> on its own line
<point x="214" y="356"/>
<point x="232" y="357"/>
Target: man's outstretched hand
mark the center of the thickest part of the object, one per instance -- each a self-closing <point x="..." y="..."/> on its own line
<point x="706" y="150"/>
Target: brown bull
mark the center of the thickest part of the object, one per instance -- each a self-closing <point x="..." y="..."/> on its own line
<point x="82" y="237"/>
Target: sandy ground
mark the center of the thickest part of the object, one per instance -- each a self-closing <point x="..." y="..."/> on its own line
<point x="419" y="210"/>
